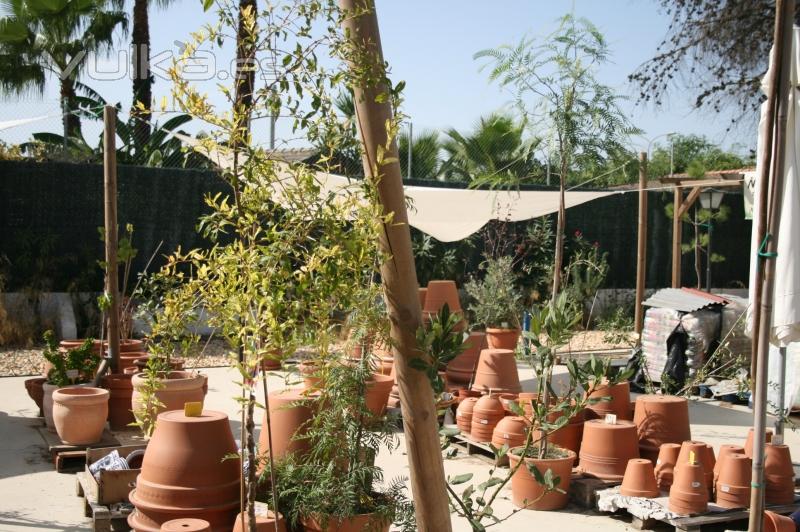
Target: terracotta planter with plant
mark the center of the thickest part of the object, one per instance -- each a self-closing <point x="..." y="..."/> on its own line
<point x="531" y="493"/>
<point x="606" y="448"/>
<point x="660" y="419"/>
<point x="639" y="479"/>
<point x="79" y="414"/>
<point x="497" y="370"/>
<point x="497" y="303"/>
<point x="34" y="387"/>
<point x="357" y="523"/>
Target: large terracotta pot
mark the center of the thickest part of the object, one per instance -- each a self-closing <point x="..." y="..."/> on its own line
<point x="188" y="472"/>
<point x="733" y="484"/>
<point x="486" y="414"/>
<point x="47" y="403"/>
<point x="378" y="389"/>
<point x="76" y="343"/>
<point x="665" y="464"/>
<point x="80" y="414"/>
<point x="186" y="524"/>
<point x="606" y="448"/>
<point x="35" y="390"/>
<point x="778" y="474"/>
<point x="310" y="370"/>
<point x="660" y="419"/>
<point x="120" y="388"/>
<point x="778" y="523"/>
<point x="464" y="414"/>
<point x="497" y="370"/>
<point x="290" y="411"/>
<point x="503" y="338"/>
<point x="179" y="388"/>
<point x="639" y="479"/>
<point x="175" y="363"/>
<point x="527" y="493"/>
<point x="748" y="444"/>
<point x="358" y="523"/>
<point x="689" y="493"/>
<point x="423" y="293"/>
<point x="701" y="455"/>
<point x="439" y="293"/>
<point x="725" y="450"/>
<point x="619" y="402"/>
<point x="265" y="521"/>
<point x="461" y="370"/>
<point x="510" y="431"/>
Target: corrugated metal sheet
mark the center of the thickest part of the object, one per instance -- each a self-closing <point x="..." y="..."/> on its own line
<point x="684" y="300"/>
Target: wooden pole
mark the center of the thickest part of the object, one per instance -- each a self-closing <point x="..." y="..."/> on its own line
<point x="641" y="256"/>
<point x="784" y="16"/>
<point x="373" y="113"/>
<point x="110" y="196"/>
<point x="676" y="236"/>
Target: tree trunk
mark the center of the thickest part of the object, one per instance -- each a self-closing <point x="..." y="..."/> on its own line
<point x="245" y="79"/>
<point x="142" y="77"/>
<point x="559" y="255"/>
<point x="72" y="122"/>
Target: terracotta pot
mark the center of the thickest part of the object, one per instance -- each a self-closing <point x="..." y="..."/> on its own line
<point x="378" y="389"/>
<point x="688" y="494"/>
<point x="179" y="388"/>
<point x="187" y="472"/>
<point x="357" y="523"/>
<point x="725" y="450"/>
<point x="511" y="431"/>
<point x="486" y="414"/>
<point x="619" y="402"/>
<point x="422" y="292"/>
<point x="639" y="479"/>
<point x="570" y="436"/>
<point x="439" y="293"/>
<point x="778" y="523"/>
<point x="35" y="390"/>
<point x="310" y="371"/>
<point x="76" y="343"/>
<point x="290" y="411"/>
<point x="778" y="474"/>
<point x="606" y="448"/>
<point x="265" y="521"/>
<point x="733" y="484"/>
<point x="464" y="414"/>
<point x="702" y="456"/>
<point x="464" y="393"/>
<point x="80" y="414"/>
<point x="120" y="388"/>
<point x="503" y="338"/>
<point x="186" y="524"/>
<point x="497" y="370"/>
<point x="175" y="363"/>
<point x="526" y="492"/>
<point x="47" y="403"/>
<point x="506" y="399"/>
<point x="461" y="370"/>
<point x="660" y="419"/>
<point x="665" y="464"/>
<point x="748" y="444"/>
<point x="527" y="400"/>
<point x="128" y="360"/>
<point x="131" y="345"/>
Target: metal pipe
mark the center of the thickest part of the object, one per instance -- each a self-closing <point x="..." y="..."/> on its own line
<point x="410" y="144"/>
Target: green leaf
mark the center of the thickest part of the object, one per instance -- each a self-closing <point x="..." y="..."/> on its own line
<point x="207" y="4"/>
<point x="460" y="479"/>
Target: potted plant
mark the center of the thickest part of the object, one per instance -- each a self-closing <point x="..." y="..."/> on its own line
<point x="496" y="303"/>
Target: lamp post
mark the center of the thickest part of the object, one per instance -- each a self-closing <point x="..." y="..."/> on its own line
<point x="710" y="199"/>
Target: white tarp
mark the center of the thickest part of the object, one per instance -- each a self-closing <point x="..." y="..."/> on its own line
<point x="8" y="124"/>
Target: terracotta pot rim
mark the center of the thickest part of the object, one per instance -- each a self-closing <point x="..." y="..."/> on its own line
<point x="178" y="509"/>
<point x="500" y="330"/>
<point x="178" y="379"/>
<point x="77" y="395"/>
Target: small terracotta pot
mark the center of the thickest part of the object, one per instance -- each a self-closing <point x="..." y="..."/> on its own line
<point x="778" y="474"/>
<point x="702" y="456"/>
<point x="461" y="370"/>
<point x="527" y="493"/>
<point x="639" y="479"/>
<point x="186" y="524"/>
<point x="378" y="389"/>
<point x="506" y="399"/>
<point x="725" y="450"/>
<point x="733" y="484"/>
<point x="688" y="494"/>
<point x="606" y="448"/>
<point x="464" y="414"/>
<point x="120" y="388"/>
<point x="497" y="370"/>
<point x="486" y="414"/>
<point x="502" y="338"/>
<point x="290" y="411"/>
<point x="778" y="523"/>
<point x="35" y="390"/>
<point x="423" y="293"/>
<point x="511" y="431"/>
<point x="265" y="522"/>
<point x="748" y="444"/>
<point x="665" y="464"/>
<point x="80" y="414"/>
<point x="619" y="402"/>
<point x="179" y="388"/>
<point x="356" y="523"/>
<point x="660" y="419"/>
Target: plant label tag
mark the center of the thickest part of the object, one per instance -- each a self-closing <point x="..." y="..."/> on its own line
<point x="193" y="409"/>
<point x="695" y="484"/>
<point x="658" y="461"/>
<point x="484" y="421"/>
<point x="72" y="374"/>
<point x="611" y="419"/>
<point x="725" y="489"/>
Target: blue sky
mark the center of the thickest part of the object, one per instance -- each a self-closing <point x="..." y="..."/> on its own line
<point x="430" y="45"/>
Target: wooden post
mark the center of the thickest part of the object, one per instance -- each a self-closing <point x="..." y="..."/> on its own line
<point x="676" y="237"/>
<point x="373" y="113"/>
<point x="641" y="254"/>
<point x="110" y="196"/>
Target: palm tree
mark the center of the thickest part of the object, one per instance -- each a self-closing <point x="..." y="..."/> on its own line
<point x="425" y="155"/>
<point x="38" y="39"/>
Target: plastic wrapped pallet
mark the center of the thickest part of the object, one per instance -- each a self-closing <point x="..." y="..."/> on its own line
<point x="733" y="326"/>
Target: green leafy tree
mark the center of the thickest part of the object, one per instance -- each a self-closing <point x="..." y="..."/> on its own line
<point x="425" y="155"/>
<point x="694" y="154"/>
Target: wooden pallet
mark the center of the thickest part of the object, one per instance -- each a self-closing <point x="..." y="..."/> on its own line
<point x="478" y="449"/>
<point x="696" y="523"/>
<point x="583" y="490"/>
<point x="72" y="457"/>
<point x="104" y="518"/>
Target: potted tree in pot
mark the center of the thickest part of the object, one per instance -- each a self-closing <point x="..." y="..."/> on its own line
<point x="496" y="303"/>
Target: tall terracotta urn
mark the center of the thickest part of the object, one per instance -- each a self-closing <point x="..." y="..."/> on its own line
<point x="290" y="411"/>
<point x="614" y="399"/>
<point x="79" y="414"/>
<point x="120" y="388"/>
<point x="660" y="419"/>
<point x="188" y="472"/>
<point x="606" y="448"/>
<point x="497" y="370"/>
<point x="461" y="370"/>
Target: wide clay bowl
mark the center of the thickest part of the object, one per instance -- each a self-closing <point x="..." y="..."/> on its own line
<point x="660" y="419"/>
<point x="616" y="399"/>
<point x="733" y="484"/>
<point x="80" y="414"/>
<point x="461" y="370"/>
<point x="527" y="493"/>
<point x="639" y="479"/>
<point x="290" y="412"/>
<point x="688" y="494"/>
<point x="497" y="370"/>
<point x="606" y="448"/>
<point x="665" y="464"/>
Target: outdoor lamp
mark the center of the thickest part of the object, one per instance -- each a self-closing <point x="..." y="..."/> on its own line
<point x="711" y="198"/>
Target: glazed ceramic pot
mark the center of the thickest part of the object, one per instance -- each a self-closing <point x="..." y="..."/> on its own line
<point x="503" y="338"/>
<point x="497" y="370"/>
<point x="616" y="400"/>
<point x="778" y="474"/>
<point x="35" y="390"/>
<point x="290" y="411"/>
<point x="179" y="388"/>
<point x="510" y="431"/>
<point x="357" y="523"/>
<point x="639" y="479"/>
<point x="778" y="523"/>
<point x="378" y="389"/>
<point x="725" y="450"/>
<point x="688" y="494"/>
<point x="748" y="444"/>
<point x="665" y="464"/>
<point x="423" y="293"/>
<point x="265" y="521"/>
<point x="701" y="455"/>
<point x="486" y="414"/>
<point x="527" y="493"/>
<point x="606" y="448"/>
<point x="120" y="389"/>
<point x="733" y="484"/>
<point x="188" y="472"/>
<point x="660" y="419"/>
<point x="186" y="524"/>
<point x="79" y="414"/>
<point x="464" y="414"/>
<point x="461" y="370"/>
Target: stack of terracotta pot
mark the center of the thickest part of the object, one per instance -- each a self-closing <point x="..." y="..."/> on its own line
<point x="733" y="476"/>
<point x="665" y="465"/>
<point x="704" y="455"/>
<point x="606" y="448"/>
<point x="660" y="419"/>
<point x="497" y="370"/>
<point x="461" y="370"/>
<point x="486" y="414"/>
<point x="778" y="474"/>
<point x="688" y="494"/>
<point x="616" y="399"/>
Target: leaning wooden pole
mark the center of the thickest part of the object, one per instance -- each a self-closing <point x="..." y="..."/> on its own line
<point x="641" y="253"/>
<point x="374" y="113"/>
<point x="771" y="202"/>
<point x="677" y="236"/>
<point x="110" y="197"/>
